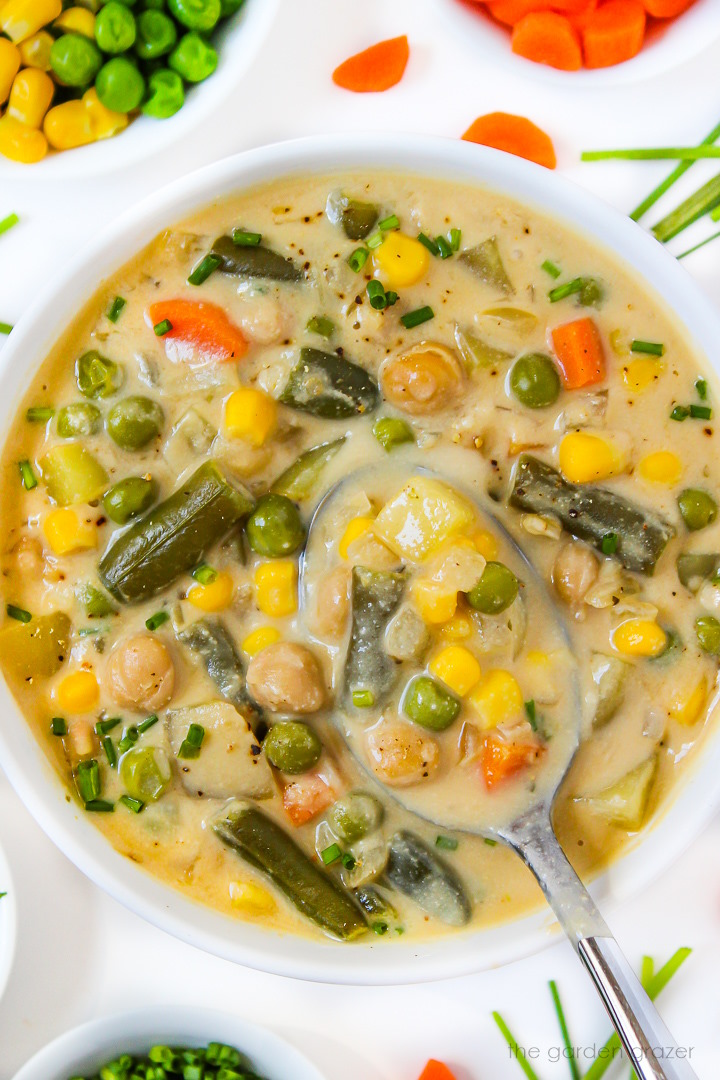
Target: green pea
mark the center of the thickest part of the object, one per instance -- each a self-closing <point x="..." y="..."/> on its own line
<point x="119" y="85"/>
<point x="193" y="58"/>
<point x="707" y="628"/>
<point x="534" y="381"/>
<point x="166" y="94"/>
<point x="355" y="816"/>
<point x="697" y="508"/>
<point x="391" y="431"/>
<point x="134" y="422"/>
<point x="229" y="7"/>
<point x="199" y="15"/>
<point x="156" y="35"/>
<point x="80" y="418"/>
<point x="495" y="591"/>
<point x="115" y="28"/>
<point x="154" y="5"/>
<point x="96" y="376"/>
<point x="145" y="772"/>
<point x="292" y="746"/>
<point x="75" y="60"/>
<point x="275" y="528"/>
<point x="430" y="704"/>
<point x="129" y="497"/>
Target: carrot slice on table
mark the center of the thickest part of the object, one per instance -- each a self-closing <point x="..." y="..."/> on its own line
<point x="548" y="38"/>
<point x="377" y="68"/>
<point x="200" y="333"/>
<point x="614" y="33"/>
<point x="579" y="352"/>
<point x="514" y="134"/>
<point x="501" y="759"/>
<point x="436" y="1070"/>
<point x="667" y="9"/>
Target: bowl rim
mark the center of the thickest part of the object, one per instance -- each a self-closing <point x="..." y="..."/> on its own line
<point x="26" y="765"/>
<point x="156" y="1024"/>
<point x="8" y="922"/>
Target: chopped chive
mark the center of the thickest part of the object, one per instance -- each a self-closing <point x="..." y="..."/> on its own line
<point x="136" y="805"/>
<point x="701" y="387"/>
<point x="443" y="247"/>
<point x="489" y="841"/>
<point x="380" y="928"/>
<point x="18" y="613"/>
<point x="561" y="292"/>
<point x="163" y="327"/>
<point x="651" y="348"/>
<point x="515" y="1050"/>
<point x="446" y="843"/>
<point x="702" y="244"/>
<point x="454" y="238"/>
<point x="109" y="748"/>
<point x="246" y="239"/>
<point x="39" y="414"/>
<point x="679" y="413"/>
<point x="531" y="713"/>
<point x="331" y="854"/>
<point x="115" y="309"/>
<point x="363" y="699"/>
<point x="567" y="1041"/>
<point x="8" y="222"/>
<point x="87" y="779"/>
<point x="207" y="266"/>
<point x="129" y="738"/>
<point x="654" y="153"/>
<point x="391" y="297"/>
<point x="379" y="299"/>
<point x="348" y="861"/>
<point x="647" y="970"/>
<point x="99" y="806"/>
<point x="671" y="178"/>
<point x="415" y="318"/>
<point x="375" y="240"/>
<point x="320" y="324"/>
<point x="27" y="476"/>
<point x="701" y="412"/>
<point x="91" y="631"/>
<point x="388" y="223"/>
<point x="550" y="268"/>
<point x="715" y="214"/>
<point x="689" y="211"/>
<point x="103" y="727"/>
<point x="357" y="259"/>
<point x="428" y="243"/>
<point x="6" y="328"/>
<point x="147" y="723"/>
<point x="204" y="574"/>
<point x="58" y="725"/>
<point x="157" y="620"/>
<point x="187" y="751"/>
<point x="195" y="735"/>
<point x="609" y="543"/>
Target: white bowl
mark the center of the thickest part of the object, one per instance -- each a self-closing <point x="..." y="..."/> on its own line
<point x="83" y="1050"/>
<point x="373" y="961"/>
<point x="666" y="47"/>
<point x="8" y="922"/>
<point x="238" y="42"/>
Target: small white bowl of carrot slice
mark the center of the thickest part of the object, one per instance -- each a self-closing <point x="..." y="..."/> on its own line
<point x="597" y="41"/>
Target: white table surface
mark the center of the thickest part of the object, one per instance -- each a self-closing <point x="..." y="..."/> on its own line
<point x="79" y="953"/>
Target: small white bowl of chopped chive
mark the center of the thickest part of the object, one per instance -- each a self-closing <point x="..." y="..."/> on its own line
<point x="169" y="1042"/>
<point x="96" y="88"/>
<point x="8" y="922"/>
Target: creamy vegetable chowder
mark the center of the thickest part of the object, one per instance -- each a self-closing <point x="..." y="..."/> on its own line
<point x="411" y="352"/>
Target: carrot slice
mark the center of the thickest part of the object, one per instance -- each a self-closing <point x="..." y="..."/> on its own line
<point x="501" y="759"/>
<point x="306" y="797"/>
<point x="513" y="134"/>
<point x="581" y="17"/>
<point x="667" y="9"/>
<point x="548" y="38"/>
<point x="579" y="352"/>
<point x="512" y="11"/>
<point x="614" y="33"/>
<point x="436" y="1070"/>
<point x="200" y="333"/>
<point x="377" y="68"/>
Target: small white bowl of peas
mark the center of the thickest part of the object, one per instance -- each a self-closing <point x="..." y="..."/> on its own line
<point x="90" y="86"/>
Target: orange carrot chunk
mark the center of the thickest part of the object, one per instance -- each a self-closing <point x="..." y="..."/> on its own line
<point x="501" y="759"/>
<point x="513" y="134"/>
<point x="377" y="68"/>
<point x="579" y="352"/>
<point x="512" y="11"/>
<point x="199" y="333"/>
<point x="666" y="9"/>
<point x="582" y="15"/>
<point x="436" y="1070"/>
<point x="306" y="797"/>
<point x="548" y="38"/>
<point x="614" y="33"/>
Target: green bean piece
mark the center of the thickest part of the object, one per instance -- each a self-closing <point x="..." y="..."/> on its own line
<point x="301" y="479"/>
<point x="119" y="85"/>
<point x="417" y="872"/>
<point x="495" y="591"/>
<point x="376" y="595"/>
<point x="199" y="15"/>
<point x="115" y="28"/>
<point x="313" y="891"/>
<point x="356" y="218"/>
<point x="292" y="746"/>
<point x="320" y="324"/>
<point x="129" y="498"/>
<point x="193" y="58"/>
<point x="134" y="422"/>
<point x="156" y="35"/>
<point x="693" y="568"/>
<point x="484" y="260"/>
<point x="697" y="508"/>
<point x="96" y="376"/>
<point x="254" y="261"/>
<point x="80" y="418"/>
<point x="330" y="387"/>
<point x="72" y="475"/>
<point x="429" y="704"/>
<point x="145" y="772"/>
<point x="355" y="816"/>
<point x="36" y="649"/>
<point x="97" y="605"/>
<point x="534" y="380"/>
<point x="75" y="60"/>
<point x="274" y="528"/>
<point x="391" y="431"/>
<point x="707" y="628"/>
<point x="210" y="641"/>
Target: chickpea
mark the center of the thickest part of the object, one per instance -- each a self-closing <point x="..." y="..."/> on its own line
<point x="333" y="603"/>
<point x="425" y="379"/>
<point x="140" y="673"/>
<point x="264" y="319"/>
<point x="26" y="557"/>
<point x="400" y="755"/>
<point x="286" y="678"/>
<point x="575" y="570"/>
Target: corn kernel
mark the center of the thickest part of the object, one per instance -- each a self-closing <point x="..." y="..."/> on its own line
<point x="78" y="692"/>
<point x="540" y="676"/>
<point x="584" y="457"/>
<point x="641" y="373"/>
<point x="639" y="637"/>
<point x="356" y="528"/>
<point x="662" y="467"/>
<point x="104" y="122"/>
<point x="65" y="532"/>
<point x="9" y="67"/>
<point x="214" y="596"/>
<point x="30" y="97"/>
<point x="486" y="544"/>
<point x="251" y="899"/>
<point x="276" y="587"/>
<point x="35" y="51"/>
<point x="250" y="415"/>
<point x="497" y="699"/>
<point x="19" y="19"/>
<point x="76" y="20"/>
<point x="21" y="143"/>
<point x="687" y="708"/>
<point x="457" y="668"/>
<point x="77" y="123"/>
<point x="457" y="629"/>
<point x="259" y="639"/>
<point x="435" y="604"/>
<point x="401" y="260"/>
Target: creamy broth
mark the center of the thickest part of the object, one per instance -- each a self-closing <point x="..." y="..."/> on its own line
<point x="461" y="397"/>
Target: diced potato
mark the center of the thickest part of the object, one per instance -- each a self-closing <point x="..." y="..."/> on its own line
<point x="230" y="764"/>
<point x="72" y="474"/>
<point x="625" y="802"/>
<point x="609" y="674"/>
<point x="37" y="649"/>
<point x="422" y="516"/>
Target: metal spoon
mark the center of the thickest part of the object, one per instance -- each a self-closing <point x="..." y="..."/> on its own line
<point x="646" y="1040"/>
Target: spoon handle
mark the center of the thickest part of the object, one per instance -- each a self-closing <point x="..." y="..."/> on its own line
<point x="645" y="1038"/>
